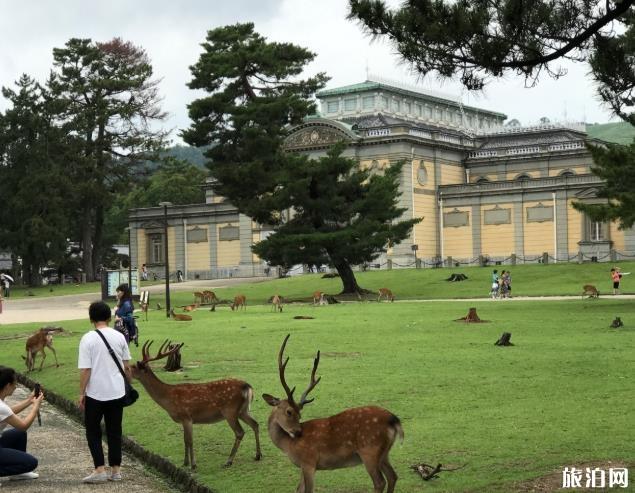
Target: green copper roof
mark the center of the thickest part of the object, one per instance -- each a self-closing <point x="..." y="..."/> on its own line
<point x="370" y="85"/>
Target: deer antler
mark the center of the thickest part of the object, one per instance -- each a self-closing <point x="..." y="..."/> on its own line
<point x="145" y="350"/>
<point x="312" y="383"/>
<point x="281" y="368"/>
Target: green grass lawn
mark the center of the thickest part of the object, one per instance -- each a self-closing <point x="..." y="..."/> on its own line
<point x="528" y="280"/>
<point x="561" y="396"/>
<point x="55" y="290"/>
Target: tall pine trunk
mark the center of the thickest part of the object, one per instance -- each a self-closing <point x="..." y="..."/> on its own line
<point x="87" y="247"/>
<point x="347" y="276"/>
<point x="97" y="239"/>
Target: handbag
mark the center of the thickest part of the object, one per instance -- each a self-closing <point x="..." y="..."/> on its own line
<point x="131" y="395"/>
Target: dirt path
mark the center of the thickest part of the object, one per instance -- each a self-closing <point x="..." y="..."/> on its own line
<point x="60" y="446"/>
<point x="75" y="306"/>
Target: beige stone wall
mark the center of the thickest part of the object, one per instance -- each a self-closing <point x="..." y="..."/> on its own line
<point x="475" y="176"/>
<point x="198" y="253"/>
<point x="574" y="223"/>
<point x="142" y="250"/>
<point x="228" y="251"/>
<point x="172" y="247"/>
<point x="512" y="175"/>
<point x="538" y="236"/>
<point x="578" y="170"/>
<point x="617" y="236"/>
<point x="424" y="205"/>
<point x="497" y="239"/>
<point x="457" y="241"/>
<point x="452" y="175"/>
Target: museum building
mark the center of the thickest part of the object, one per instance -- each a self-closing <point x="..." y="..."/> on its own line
<point x="487" y="192"/>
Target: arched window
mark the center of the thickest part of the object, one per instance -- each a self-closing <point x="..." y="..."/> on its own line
<point x="523" y="177"/>
<point x="481" y="180"/>
<point x="567" y="172"/>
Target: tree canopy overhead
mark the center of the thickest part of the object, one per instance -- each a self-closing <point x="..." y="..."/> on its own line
<point x="474" y="40"/>
<point x="321" y="211"/>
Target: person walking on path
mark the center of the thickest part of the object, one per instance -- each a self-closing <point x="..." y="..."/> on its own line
<point x="495" y="284"/>
<point x="15" y="462"/>
<point x="101" y="389"/>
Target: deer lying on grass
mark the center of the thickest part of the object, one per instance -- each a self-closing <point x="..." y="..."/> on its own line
<point x="276" y="302"/>
<point x="239" y="301"/>
<point x="190" y="308"/>
<point x="43" y="338"/>
<point x="180" y="317"/>
<point x="386" y="293"/>
<point x="319" y="298"/>
<point x="352" y="437"/>
<point x="198" y="403"/>
<point x="590" y="291"/>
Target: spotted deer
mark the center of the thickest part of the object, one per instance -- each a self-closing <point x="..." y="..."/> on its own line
<point x="239" y="301"/>
<point x="210" y="297"/>
<point x="361" y="435"/>
<point x="199" y="403"/>
<point x="385" y="293"/>
<point x="590" y="291"/>
<point x="199" y="297"/>
<point x="180" y="317"/>
<point x="319" y="298"/>
<point x="276" y="303"/>
<point x="43" y="338"/>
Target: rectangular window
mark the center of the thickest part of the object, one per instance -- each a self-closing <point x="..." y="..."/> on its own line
<point x="428" y="113"/>
<point x="419" y="111"/>
<point x="395" y="105"/>
<point x="350" y="104"/>
<point x="596" y="231"/>
<point x="368" y="102"/>
<point x="156" y="249"/>
<point x="408" y="108"/>
<point x="333" y="106"/>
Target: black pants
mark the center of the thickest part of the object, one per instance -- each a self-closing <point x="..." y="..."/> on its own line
<point x="112" y="413"/>
<point x="13" y="456"/>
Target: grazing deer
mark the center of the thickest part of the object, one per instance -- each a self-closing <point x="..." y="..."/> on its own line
<point x="210" y="297"/>
<point x="276" y="302"/>
<point x="386" y="293"/>
<point x="590" y="291"/>
<point x="180" y="317"/>
<point x="43" y="338"/>
<point x="239" y="301"/>
<point x="318" y="297"/>
<point x="199" y="297"/>
<point x="199" y="403"/>
<point x="358" y="435"/>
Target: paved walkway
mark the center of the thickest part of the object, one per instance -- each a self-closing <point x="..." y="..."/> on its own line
<point x="75" y="306"/>
<point x="60" y="446"/>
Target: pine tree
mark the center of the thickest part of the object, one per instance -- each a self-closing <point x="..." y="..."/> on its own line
<point x="255" y="95"/>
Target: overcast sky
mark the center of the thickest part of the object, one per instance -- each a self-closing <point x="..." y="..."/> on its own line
<point x="171" y="33"/>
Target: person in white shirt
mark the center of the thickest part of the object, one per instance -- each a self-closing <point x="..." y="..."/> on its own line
<point x="101" y="389"/>
<point x="14" y="460"/>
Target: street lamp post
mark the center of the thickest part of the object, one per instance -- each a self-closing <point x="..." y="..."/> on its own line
<point x="129" y="258"/>
<point x="167" y="258"/>
<point x="414" y="250"/>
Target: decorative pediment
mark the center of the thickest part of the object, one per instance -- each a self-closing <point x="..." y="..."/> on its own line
<point x="152" y="225"/>
<point x="316" y="135"/>
<point x="497" y="215"/>
<point x="539" y="213"/>
<point x="587" y="193"/>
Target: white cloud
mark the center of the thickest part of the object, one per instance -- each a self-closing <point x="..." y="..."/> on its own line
<point x="171" y="33"/>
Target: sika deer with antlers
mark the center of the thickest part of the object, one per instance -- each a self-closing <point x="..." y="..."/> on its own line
<point x="43" y="338"/>
<point x="352" y="437"/>
<point x="194" y="403"/>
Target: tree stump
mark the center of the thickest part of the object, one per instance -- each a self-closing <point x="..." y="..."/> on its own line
<point x="617" y="323"/>
<point x="174" y="360"/>
<point x="471" y="317"/>
<point x="457" y="277"/>
<point x="505" y="340"/>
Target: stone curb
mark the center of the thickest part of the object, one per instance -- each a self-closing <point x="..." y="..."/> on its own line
<point x="178" y="476"/>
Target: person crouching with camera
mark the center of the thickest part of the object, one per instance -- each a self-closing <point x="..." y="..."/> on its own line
<point x="14" y="460"/>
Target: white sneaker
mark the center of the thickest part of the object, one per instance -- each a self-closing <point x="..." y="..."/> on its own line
<point x="96" y="477"/>
<point x="25" y="475"/>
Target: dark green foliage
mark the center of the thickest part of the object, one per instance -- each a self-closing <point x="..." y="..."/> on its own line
<point x="34" y="216"/>
<point x="474" y="40"/>
<point x="254" y="95"/>
<point x="615" y="164"/>
<point x="108" y="102"/>
<point x="340" y="216"/>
